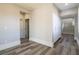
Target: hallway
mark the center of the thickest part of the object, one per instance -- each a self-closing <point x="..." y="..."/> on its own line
<point x="68" y="46"/>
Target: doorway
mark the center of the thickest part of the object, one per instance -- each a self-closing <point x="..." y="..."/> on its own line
<point x="68" y="26"/>
<point x="24" y="27"/>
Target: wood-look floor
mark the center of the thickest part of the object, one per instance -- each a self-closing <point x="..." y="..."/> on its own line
<point x="67" y="46"/>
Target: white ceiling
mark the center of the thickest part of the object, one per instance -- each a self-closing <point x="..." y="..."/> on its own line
<point x="62" y="6"/>
<point x="27" y="6"/>
<point x="31" y="6"/>
<point x="65" y="9"/>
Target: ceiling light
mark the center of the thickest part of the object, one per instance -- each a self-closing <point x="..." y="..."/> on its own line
<point x="66" y="4"/>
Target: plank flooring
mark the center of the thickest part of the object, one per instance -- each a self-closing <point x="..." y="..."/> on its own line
<point x="67" y="46"/>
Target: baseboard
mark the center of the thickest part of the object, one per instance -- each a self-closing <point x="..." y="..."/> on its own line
<point x="68" y="33"/>
<point x="58" y="41"/>
<point x="49" y="44"/>
<point x="8" y="45"/>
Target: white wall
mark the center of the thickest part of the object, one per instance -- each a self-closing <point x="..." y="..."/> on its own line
<point x="78" y="28"/>
<point x="41" y="25"/>
<point x="78" y="20"/>
<point x="9" y="26"/>
<point x="56" y="25"/>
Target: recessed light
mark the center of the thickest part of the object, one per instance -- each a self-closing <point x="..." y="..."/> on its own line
<point x="66" y="4"/>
